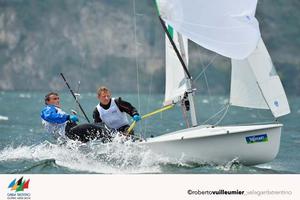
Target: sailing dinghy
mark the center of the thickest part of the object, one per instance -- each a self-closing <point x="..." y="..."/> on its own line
<point x="231" y="31"/>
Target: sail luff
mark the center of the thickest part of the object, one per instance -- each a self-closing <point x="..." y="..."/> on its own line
<point x="175" y="48"/>
<point x="177" y="73"/>
<point x="176" y="82"/>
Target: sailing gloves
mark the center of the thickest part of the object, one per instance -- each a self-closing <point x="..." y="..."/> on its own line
<point x="73" y="118"/>
<point x="136" y="118"/>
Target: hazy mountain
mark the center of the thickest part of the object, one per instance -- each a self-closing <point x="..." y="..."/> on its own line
<point x="104" y="43"/>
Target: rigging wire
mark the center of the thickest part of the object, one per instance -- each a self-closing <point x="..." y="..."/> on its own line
<point x="226" y="106"/>
<point x="136" y="51"/>
<point x="76" y="93"/>
<point x="136" y="58"/>
<point x="148" y="103"/>
<point x="205" y="67"/>
<point x="143" y="125"/>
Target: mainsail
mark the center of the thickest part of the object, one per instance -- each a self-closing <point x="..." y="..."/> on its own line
<point x="255" y="83"/>
<point x="176" y="83"/>
<point x="232" y="31"/>
<point x="226" y="27"/>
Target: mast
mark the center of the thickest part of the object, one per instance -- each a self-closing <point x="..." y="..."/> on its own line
<point x="175" y="48"/>
<point x="190" y="92"/>
<point x="187" y="74"/>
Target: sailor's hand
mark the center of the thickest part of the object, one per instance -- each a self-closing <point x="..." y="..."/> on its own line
<point x="136" y="118"/>
<point x="73" y="118"/>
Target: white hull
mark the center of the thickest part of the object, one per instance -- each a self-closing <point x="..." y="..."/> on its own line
<point x="219" y="145"/>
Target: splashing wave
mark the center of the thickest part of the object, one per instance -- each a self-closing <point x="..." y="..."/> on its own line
<point x="119" y="156"/>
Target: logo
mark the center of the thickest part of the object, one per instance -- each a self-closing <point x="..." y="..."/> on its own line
<point x="18" y="189"/>
<point x="20" y="185"/>
<point x="276" y="103"/>
<point x="257" y="138"/>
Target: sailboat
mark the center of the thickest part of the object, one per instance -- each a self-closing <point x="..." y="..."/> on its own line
<point x="231" y="31"/>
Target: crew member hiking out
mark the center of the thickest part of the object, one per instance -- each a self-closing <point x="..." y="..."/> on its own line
<point x="113" y="111"/>
<point x="63" y="125"/>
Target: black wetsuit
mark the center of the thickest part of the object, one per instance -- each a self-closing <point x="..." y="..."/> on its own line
<point x="54" y="120"/>
<point x="123" y="106"/>
<point x="89" y="131"/>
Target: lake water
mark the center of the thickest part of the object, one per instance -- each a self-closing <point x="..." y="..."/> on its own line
<point x="26" y="148"/>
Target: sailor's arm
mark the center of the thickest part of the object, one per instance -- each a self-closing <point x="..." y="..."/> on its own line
<point x="125" y="106"/>
<point x="96" y="116"/>
<point x="49" y="114"/>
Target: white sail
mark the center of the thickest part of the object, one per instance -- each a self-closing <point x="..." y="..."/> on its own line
<point x="226" y="27"/>
<point x="175" y="76"/>
<point x="229" y="28"/>
<point x="255" y="83"/>
<point x="244" y="90"/>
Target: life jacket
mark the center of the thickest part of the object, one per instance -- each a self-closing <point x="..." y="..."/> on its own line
<point x="57" y="129"/>
<point x="113" y="117"/>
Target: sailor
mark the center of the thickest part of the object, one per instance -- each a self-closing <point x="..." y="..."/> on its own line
<point x="54" y="119"/>
<point x="63" y="125"/>
<point x="113" y="111"/>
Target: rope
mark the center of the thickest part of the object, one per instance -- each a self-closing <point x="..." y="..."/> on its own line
<point x="226" y="106"/>
<point x="224" y="114"/>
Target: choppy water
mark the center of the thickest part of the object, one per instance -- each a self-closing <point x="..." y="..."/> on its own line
<point x="26" y="148"/>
